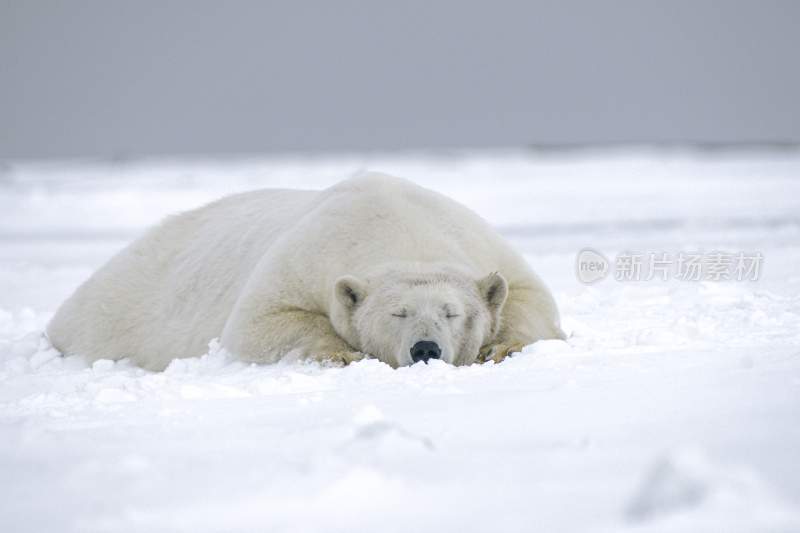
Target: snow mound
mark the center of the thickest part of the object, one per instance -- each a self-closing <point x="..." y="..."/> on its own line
<point x="684" y="489"/>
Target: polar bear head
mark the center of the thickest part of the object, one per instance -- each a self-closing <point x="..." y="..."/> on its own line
<point x="403" y="318"/>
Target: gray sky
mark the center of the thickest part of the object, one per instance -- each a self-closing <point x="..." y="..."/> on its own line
<point x="101" y="78"/>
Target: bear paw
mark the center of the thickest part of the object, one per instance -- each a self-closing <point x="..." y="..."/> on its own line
<point x="498" y="352"/>
<point x="342" y="358"/>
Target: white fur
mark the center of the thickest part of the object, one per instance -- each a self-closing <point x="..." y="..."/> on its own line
<point x="312" y="273"/>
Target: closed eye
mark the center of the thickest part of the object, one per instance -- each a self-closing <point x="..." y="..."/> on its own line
<point x="453" y="316"/>
<point x="400" y="315"/>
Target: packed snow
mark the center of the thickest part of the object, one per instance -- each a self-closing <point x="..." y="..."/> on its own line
<point x="672" y="406"/>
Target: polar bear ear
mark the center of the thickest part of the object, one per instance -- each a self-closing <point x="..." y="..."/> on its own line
<point x="349" y="291"/>
<point x="494" y="290"/>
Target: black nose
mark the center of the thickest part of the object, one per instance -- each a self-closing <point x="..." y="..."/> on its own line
<point x="424" y="350"/>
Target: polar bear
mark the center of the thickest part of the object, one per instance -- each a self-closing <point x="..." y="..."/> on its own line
<point x="373" y="265"/>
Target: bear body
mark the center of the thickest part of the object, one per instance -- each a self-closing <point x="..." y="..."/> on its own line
<point x="373" y="265"/>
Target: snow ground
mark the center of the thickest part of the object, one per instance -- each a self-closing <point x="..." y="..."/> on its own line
<point x="673" y="406"/>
